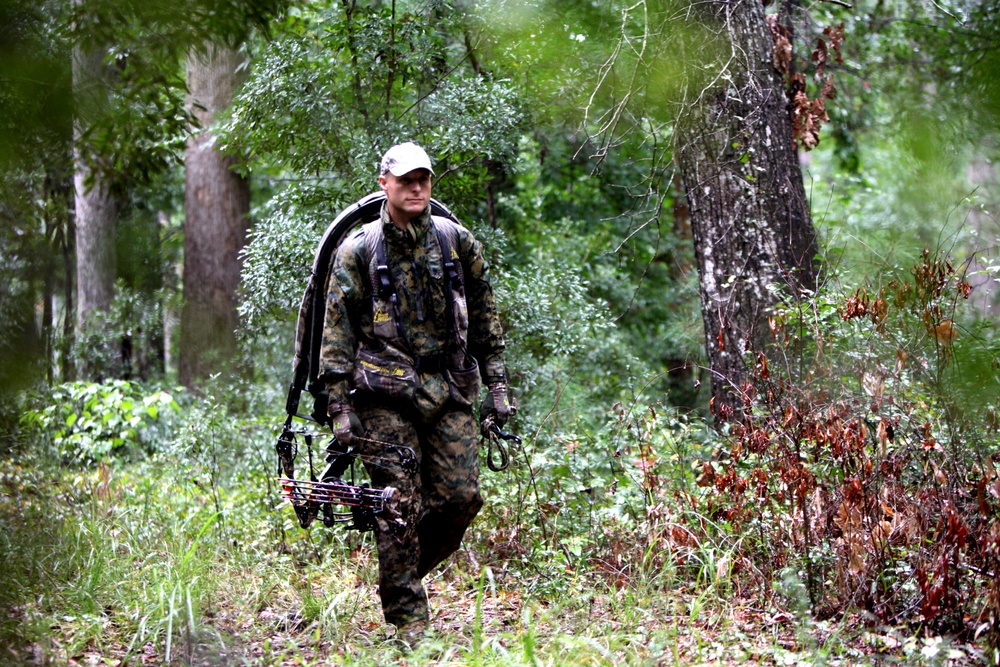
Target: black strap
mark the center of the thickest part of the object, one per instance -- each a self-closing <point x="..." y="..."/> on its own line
<point x="447" y="236"/>
<point x="381" y="281"/>
<point x="494" y="434"/>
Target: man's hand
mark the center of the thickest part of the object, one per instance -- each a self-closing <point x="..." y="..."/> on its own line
<point x="497" y="404"/>
<point x="345" y="425"/>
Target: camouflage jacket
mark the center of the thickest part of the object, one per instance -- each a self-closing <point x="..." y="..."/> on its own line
<point x="417" y="269"/>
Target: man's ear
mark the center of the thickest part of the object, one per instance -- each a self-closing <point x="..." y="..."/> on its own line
<point x="382" y="182"/>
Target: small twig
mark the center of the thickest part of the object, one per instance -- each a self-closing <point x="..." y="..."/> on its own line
<point x="434" y="88"/>
<point x="946" y="12"/>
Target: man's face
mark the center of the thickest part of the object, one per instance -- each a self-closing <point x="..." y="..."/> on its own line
<point x="407" y="195"/>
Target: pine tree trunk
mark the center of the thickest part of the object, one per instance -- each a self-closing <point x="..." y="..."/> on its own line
<point x="216" y="210"/>
<point x="749" y="214"/>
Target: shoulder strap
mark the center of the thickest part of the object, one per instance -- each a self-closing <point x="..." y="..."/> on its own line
<point x="383" y="297"/>
<point x="447" y="233"/>
<point x="381" y="279"/>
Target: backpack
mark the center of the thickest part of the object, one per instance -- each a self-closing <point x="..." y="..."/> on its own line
<point x="309" y="329"/>
<point x="324" y="493"/>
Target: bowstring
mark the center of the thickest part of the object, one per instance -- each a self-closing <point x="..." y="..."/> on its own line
<point x="384" y="460"/>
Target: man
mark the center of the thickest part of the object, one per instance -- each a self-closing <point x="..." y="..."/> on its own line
<point x="411" y="327"/>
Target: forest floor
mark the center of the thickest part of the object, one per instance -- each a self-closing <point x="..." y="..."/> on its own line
<point x="483" y="625"/>
<point x="151" y="564"/>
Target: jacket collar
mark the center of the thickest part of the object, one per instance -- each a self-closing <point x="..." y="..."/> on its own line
<point x="419" y="227"/>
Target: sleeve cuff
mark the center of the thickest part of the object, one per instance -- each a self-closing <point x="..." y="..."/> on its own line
<point x="339" y="390"/>
<point x="494" y="370"/>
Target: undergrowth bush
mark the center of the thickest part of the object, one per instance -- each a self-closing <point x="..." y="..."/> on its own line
<point x="87" y="421"/>
<point x="865" y="460"/>
<point x="121" y="531"/>
<point x="126" y="341"/>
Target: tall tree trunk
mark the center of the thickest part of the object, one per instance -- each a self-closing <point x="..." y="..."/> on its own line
<point x="680" y="372"/>
<point x="96" y="205"/>
<point x="57" y="192"/>
<point x="749" y="213"/>
<point x="67" y="239"/>
<point x="216" y="210"/>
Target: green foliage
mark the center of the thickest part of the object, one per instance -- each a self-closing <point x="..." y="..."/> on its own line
<point x="35" y="128"/>
<point x="20" y="341"/>
<point x="87" y="421"/>
<point x="279" y="254"/>
<point x="584" y="309"/>
<point x="301" y="112"/>
<point x="35" y="100"/>
<point x="136" y="128"/>
<point x="332" y="89"/>
<point x="551" y="316"/>
<point x="177" y="25"/>
<point x="125" y="341"/>
<point x="144" y="548"/>
<point x="186" y="555"/>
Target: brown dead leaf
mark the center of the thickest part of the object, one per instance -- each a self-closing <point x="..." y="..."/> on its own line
<point x="944" y="332"/>
<point x="835" y="33"/>
<point x="707" y="477"/>
<point x="829" y="92"/>
<point x="880" y="534"/>
<point x="901" y="356"/>
<point x="856" y="564"/>
<point x="782" y="45"/>
<point x="819" y="56"/>
<point x="848" y="519"/>
<point x="939" y="475"/>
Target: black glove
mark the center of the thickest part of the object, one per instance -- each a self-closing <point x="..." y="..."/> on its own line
<point x="345" y="425"/>
<point x="497" y="405"/>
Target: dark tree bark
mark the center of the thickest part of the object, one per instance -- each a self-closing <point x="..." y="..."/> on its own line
<point x="216" y="210"/>
<point x="58" y="271"/>
<point x="749" y="214"/>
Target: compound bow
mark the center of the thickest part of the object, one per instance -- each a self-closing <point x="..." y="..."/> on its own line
<point x="327" y="492"/>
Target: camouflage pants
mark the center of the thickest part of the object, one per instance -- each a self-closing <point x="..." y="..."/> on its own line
<point x="437" y="503"/>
